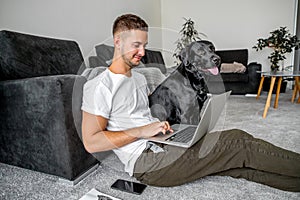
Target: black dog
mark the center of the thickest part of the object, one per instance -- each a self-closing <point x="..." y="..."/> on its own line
<point x="179" y="99"/>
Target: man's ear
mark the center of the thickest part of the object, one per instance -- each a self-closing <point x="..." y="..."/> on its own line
<point x="184" y="55"/>
<point x="117" y="41"/>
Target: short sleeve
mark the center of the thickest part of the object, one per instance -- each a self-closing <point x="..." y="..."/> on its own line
<point x="96" y="99"/>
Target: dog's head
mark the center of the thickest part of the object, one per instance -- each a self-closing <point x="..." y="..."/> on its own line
<point x="200" y="55"/>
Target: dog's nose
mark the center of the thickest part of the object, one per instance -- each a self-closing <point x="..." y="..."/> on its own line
<point x="216" y="60"/>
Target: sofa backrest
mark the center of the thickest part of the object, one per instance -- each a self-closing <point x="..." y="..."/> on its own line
<point x="154" y="59"/>
<point x="26" y="56"/>
<point x="104" y="53"/>
<point x="235" y="55"/>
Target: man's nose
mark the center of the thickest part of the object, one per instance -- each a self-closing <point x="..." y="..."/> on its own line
<point x="141" y="51"/>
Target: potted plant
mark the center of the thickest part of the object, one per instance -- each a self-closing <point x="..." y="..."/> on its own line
<point x="188" y="34"/>
<point x="282" y="42"/>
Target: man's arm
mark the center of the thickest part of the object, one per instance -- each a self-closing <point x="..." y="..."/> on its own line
<point x="96" y="138"/>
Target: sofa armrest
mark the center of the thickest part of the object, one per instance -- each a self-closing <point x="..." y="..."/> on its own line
<point x="37" y="126"/>
<point x="252" y="69"/>
<point x="254" y="76"/>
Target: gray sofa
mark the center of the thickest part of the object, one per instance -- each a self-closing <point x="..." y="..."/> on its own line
<point x="40" y="105"/>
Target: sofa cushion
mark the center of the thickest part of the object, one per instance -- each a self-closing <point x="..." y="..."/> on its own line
<point x="153" y="76"/>
<point x="90" y="73"/>
<point x="26" y="56"/>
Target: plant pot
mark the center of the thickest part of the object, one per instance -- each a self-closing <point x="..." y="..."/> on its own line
<point x="274" y="68"/>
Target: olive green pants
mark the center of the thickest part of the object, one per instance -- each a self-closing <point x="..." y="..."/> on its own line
<point x="235" y="153"/>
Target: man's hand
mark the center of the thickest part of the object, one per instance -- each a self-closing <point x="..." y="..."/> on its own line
<point x="153" y="129"/>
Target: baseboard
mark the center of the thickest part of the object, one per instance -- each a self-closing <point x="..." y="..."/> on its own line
<point x="250" y="95"/>
<point x="80" y="177"/>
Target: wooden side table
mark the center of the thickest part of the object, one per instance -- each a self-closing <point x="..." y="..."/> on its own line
<point x="274" y="76"/>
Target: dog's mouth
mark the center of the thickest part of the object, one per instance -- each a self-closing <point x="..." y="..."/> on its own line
<point x="213" y="71"/>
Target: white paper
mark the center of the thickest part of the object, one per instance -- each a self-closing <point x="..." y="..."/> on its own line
<point x="93" y="195"/>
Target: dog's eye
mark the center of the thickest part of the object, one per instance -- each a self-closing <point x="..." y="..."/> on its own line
<point x="212" y="48"/>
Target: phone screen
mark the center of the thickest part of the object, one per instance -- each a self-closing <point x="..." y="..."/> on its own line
<point x="129" y="186"/>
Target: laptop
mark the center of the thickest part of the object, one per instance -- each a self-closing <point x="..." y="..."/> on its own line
<point x="185" y="135"/>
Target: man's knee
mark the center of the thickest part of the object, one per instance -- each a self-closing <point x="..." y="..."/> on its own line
<point x="235" y="134"/>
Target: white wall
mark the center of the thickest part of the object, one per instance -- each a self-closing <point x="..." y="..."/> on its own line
<point x="89" y="22"/>
<point x="230" y="24"/>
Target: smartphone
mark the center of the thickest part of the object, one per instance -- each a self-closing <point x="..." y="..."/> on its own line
<point x="129" y="186"/>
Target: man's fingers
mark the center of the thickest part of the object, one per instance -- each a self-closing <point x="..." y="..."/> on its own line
<point x="166" y="127"/>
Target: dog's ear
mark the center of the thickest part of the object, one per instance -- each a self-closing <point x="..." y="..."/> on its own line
<point x="184" y="55"/>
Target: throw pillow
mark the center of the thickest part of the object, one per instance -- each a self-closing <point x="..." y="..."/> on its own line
<point x="234" y="67"/>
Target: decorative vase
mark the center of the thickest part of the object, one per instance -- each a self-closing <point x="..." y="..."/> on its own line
<point x="282" y="65"/>
<point x="274" y="67"/>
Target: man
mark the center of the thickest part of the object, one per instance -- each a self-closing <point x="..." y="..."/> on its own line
<point x="116" y="116"/>
<point x="117" y="100"/>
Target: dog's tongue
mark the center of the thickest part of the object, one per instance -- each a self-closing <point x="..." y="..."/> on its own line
<point x="214" y="70"/>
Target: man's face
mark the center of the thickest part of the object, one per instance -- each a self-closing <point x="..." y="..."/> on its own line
<point x="132" y="46"/>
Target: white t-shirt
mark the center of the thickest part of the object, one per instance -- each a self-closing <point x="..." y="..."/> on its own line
<point x="124" y="102"/>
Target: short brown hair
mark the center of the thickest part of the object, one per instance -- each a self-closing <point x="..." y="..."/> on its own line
<point x="129" y="22"/>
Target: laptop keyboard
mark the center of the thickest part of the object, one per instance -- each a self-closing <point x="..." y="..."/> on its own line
<point x="184" y="135"/>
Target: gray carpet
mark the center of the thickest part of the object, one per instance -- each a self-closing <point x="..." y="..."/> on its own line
<point x="281" y="127"/>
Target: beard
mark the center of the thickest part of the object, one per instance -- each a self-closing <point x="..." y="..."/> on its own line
<point x="129" y="61"/>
